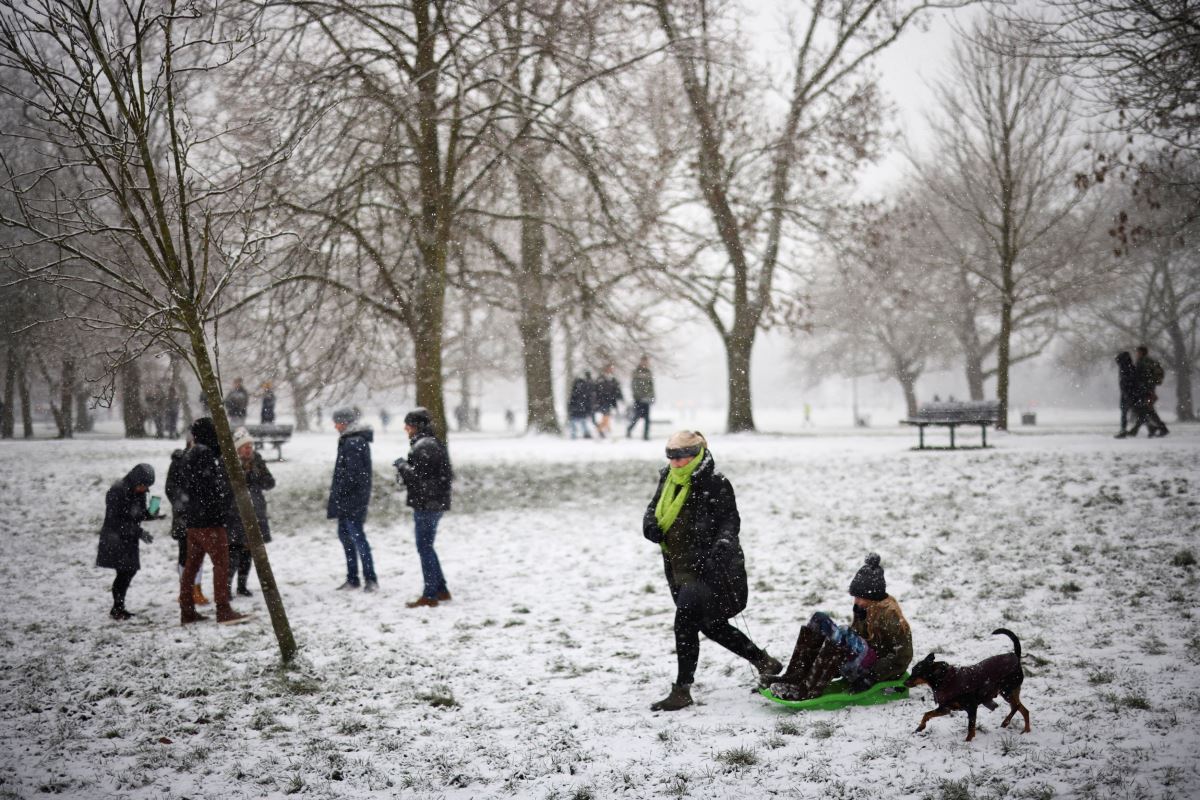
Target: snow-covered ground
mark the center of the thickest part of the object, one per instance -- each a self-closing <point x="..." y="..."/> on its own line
<point x="536" y="680"/>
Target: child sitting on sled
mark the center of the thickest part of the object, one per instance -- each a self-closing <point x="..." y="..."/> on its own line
<point x="876" y="646"/>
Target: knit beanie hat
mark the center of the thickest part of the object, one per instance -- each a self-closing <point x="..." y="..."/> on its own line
<point x="205" y="433"/>
<point x="419" y="418"/>
<point x="344" y="416"/>
<point x="240" y="437"/>
<point x="868" y="583"/>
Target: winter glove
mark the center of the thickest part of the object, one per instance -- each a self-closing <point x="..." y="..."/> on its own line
<point x="146" y="537"/>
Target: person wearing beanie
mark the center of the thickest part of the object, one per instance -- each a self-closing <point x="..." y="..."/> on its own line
<point x="121" y="534"/>
<point x="693" y="518"/>
<point x="349" y="496"/>
<point x="174" y="492"/>
<point x="258" y="480"/>
<point x="427" y="475"/>
<point x="206" y="511"/>
<point x="876" y="645"/>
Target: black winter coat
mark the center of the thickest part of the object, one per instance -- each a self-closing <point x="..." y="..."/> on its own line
<point x="174" y="492"/>
<point x="427" y="473"/>
<point x="350" y="490"/>
<point x="583" y="398"/>
<point x="711" y="510"/>
<point x="1127" y="379"/>
<point x="608" y="394"/>
<point x="207" y="497"/>
<point x="121" y="532"/>
<point x="258" y="480"/>
<point x="268" y="408"/>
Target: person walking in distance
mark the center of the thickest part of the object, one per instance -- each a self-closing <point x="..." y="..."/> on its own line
<point x="693" y="518"/>
<point x="642" y="390"/>
<point x="208" y="504"/>
<point x="267" y="415"/>
<point x="349" y="496"/>
<point x="579" y="406"/>
<point x="1127" y="381"/>
<point x="429" y="479"/>
<point x="258" y="480"/>
<point x="236" y="403"/>
<point x="121" y="534"/>
<point x="608" y="397"/>
<point x="1149" y="376"/>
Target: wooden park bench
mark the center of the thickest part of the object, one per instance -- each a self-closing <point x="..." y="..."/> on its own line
<point x="274" y="435"/>
<point x="983" y="413"/>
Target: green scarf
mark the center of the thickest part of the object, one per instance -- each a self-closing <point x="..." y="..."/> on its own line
<point x="675" y="491"/>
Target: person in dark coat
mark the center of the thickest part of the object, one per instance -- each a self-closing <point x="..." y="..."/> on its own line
<point x="258" y="480"/>
<point x="236" y="403"/>
<point x="429" y="478"/>
<point x="876" y="645"/>
<point x="642" y="391"/>
<point x="206" y="510"/>
<point x="267" y="416"/>
<point x="1148" y="376"/>
<point x="693" y="518"/>
<point x="174" y="492"/>
<point x="349" y="496"/>
<point x="121" y="534"/>
<point x="608" y="397"/>
<point x="1128" y="383"/>
<point x="580" y="405"/>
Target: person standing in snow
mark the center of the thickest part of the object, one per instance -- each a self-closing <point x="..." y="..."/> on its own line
<point x="349" y="496"/>
<point x="258" y="480"/>
<point x="1149" y="375"/>
<point x="174" y="492"/>
<point x="579" y="406"/>
<point x="876" y="645"/>
<point x="267" y="415"/>
<point x="693" y="518"/>
<point x="121" y="534"/>
<point x="236" y="403"/>
<point x="206" y="510"/>
<point x="429" y="478"/>
<point x="1127" y="381"/>
<point x="608" y="397"/>
<point x="641" y="390"/>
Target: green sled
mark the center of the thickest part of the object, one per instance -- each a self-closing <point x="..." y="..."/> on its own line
<point x="835" y="696"/>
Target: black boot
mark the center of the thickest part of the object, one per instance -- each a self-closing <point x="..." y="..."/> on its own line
<point x="807" y="645"/>
<point x="825" y="668"/>
<point x="767" y="667"/>
<point x="680" y="697"/>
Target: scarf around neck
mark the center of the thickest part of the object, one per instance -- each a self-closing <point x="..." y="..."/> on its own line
<point x="676" y="488"/>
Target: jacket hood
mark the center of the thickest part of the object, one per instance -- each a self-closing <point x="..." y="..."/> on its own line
<point x="141" y="475"/>
<point x="362" y="431"/>
<point x="205" y="433"/>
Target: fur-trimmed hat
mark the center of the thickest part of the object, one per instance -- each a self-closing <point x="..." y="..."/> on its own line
<point x="869" y="583"/>
<point x="240" y="437"/>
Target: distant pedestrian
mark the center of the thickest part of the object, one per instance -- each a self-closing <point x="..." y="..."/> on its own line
<point x="579" y="406"/>
<point x="693" y="518"/>
<point x="608" y="398"/>
<point x="258" y="480"/>
<point x="121" y="534"/>
<point x="206" y="511"/>
<point x="429" y="478"/>
<point x="510" y="419"/>
<point x="1128" y="383"/>
<point x="236" y="403"/>
<point x="156" y="406"/>
<point x="1149" y="376"/>
<point x="642" y="391"/>
<point x="385" y="419"/>
<point x="174" y="492"/>
<point x="319" y="418"/>
<point x="349" y="496"/>
<point x="807" y="415"/>
<point x="267" y="416"/>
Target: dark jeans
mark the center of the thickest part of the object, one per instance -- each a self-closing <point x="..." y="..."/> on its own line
<point x="120" y="586"/>
<point x="1145" y="414"/>
<point x="426" y="523"/>
<point x="1126" y="409"/>
<point x="355" y="544"/>
<point x="240" y="562"/>
<point x="640" y="411"/>
<point x="694" y="616"/>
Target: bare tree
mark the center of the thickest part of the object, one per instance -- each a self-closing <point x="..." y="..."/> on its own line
<point x="1004" y="160"/>
<point x="156" y="229"/>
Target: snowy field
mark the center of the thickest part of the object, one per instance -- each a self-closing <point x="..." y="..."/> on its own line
<point x="536" y="680"/>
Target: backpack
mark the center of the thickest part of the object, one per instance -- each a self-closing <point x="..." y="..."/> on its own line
<point x="1156" y="372"/>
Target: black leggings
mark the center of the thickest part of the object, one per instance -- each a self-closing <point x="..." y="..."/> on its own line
<point x="239" y="562"/>
<point x="694" y="615"/>
<point x="120" y="586"/>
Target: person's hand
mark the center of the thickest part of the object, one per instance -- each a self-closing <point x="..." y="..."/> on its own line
<point x="400" y="463"/>
<point x="146" y="537"/>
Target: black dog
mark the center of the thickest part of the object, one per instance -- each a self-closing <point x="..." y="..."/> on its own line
<point x="967" y="688"/>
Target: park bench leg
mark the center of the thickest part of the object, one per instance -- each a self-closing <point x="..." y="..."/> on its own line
<point x="920" y="437"/>
<point x="951" y="437"/>
<point x="983" y="432"/>
<point x="278" y="451"/>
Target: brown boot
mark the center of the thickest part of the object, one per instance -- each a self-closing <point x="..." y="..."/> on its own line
<point x="443" y="597"/>
<point x="421" y="602"/>
<point x="680" y="697"/>
<point x="824" y="669"/>
<point x="188" y="617"/>
<point x="198" y="595"/>
<point x="807" y="645"/>
<point x="232" y="617"/>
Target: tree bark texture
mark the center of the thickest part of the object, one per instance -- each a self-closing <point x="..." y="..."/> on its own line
<point x="26" y="403"/>
<point x="10" y="385"/>
<point x="738" y="350"/>
<point x="66" y="399"/>
<point x="535" y="320"/>
<point x="132" y="411"/>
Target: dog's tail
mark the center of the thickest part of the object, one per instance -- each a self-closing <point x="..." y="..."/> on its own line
<point x="1016" y="642"/>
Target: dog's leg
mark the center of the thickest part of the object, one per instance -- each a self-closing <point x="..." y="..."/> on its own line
<point x="971" y="711"/>
<point x="1015" y="704"/>
<point x="937" y="712"/>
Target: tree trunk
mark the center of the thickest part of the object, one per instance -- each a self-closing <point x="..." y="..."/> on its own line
<point x="738" y="348"/>
<point x="537" y="354"/>
<point x="10" y="385"/>
<point x="1002" y="358"/>
<point x="26" y="403"/>
<point x="908" y="382"/>
<point x="1181" y="365"/>
<point x="535" y="318"/>
<point x="237" y="480"/>
<point x="83" y="417"/>
<point x="66" y="399"/>
<point x="300" y="400"/>
<point x="975" y="377"/>
<point x="132" y="410"/>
